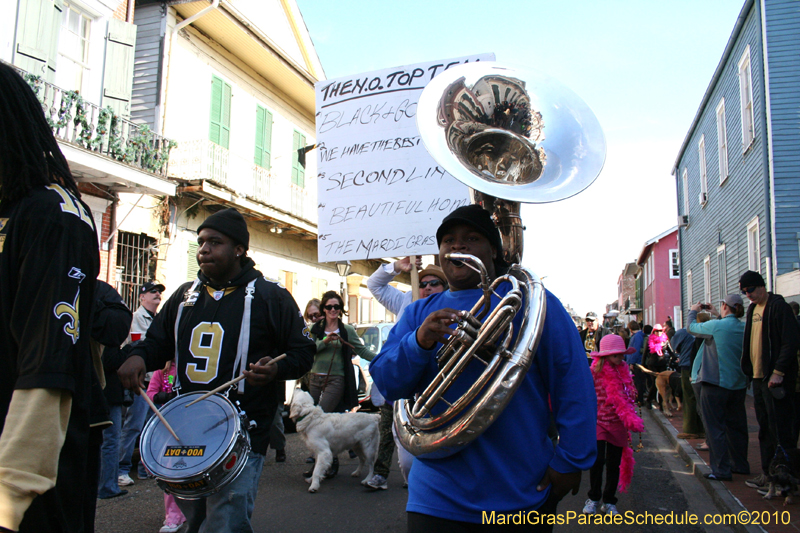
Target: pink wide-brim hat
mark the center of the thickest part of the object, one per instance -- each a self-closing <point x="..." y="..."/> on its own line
<point x="612" y="345"/>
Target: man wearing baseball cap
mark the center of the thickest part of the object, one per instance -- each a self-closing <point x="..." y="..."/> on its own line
<point x="590" y="335"/>
<point x="513" y="465"/>
<point x="149" y="300"/>
<point x="769" y="359"/>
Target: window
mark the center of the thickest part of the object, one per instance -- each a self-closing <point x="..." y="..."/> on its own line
<point x="753" y="246"/>
<point x="136" y="264"/>
<point x="707" y="279"/>
<point x="263" y="138"/>
<point x="685" y="192"/>
<point x="674" y="265"/>
<point x="677" y="317"/>
<point x="220" y="127"/>
<point x="701" y="149"/>
<point x="73" y="47"/>
<point x="722" y="142"/>
<point x="298" y="162"/>
<point x="689" y="291"/>
<point x="746" y="99"/>
<point x="722" y="272"/>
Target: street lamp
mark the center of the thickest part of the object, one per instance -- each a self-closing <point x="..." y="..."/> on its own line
<point x="343" y="268"/>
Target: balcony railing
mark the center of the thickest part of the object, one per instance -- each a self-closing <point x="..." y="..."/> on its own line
<point x="202" y="159"/>
<point x="89" y="126"/>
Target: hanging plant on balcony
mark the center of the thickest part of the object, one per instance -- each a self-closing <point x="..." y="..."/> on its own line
<point x="85" y="136"/>
<point x="115" y="144"/>
<point x="35" y="83"/>
<point x="102" y="128"/>
<point x="64" y="117"/>
<point x="139" y="146"/>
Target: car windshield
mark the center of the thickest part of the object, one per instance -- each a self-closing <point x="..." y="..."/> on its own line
<point x="371" y="336"/>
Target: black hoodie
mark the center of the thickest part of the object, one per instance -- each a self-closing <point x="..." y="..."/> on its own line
<point x="208" y="337"/>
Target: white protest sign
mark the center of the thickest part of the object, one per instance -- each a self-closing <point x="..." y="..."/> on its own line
<point x="380" y="193"/>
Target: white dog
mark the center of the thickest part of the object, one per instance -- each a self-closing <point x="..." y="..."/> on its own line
<point x="328" y="434"/>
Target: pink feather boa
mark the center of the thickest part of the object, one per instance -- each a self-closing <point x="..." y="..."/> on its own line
<point x="656" y="343"/>
<point x="620" y="394"/>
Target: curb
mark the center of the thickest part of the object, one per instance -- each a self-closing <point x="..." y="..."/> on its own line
<point x="725" y="501"/>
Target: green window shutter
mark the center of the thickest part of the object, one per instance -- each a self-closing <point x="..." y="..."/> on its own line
<point x="298" y="167"/>
<point x="263" y="137"/>
<point x="258" y="156"/>
<point x="118" y="69"/>
<point x="191" y="262"/>
<point x="38" y="26"/>
<point x="216" y="110"/>
<point x="220" y="123"/>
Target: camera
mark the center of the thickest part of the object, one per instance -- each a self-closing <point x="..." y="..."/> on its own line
<point x="705" y="306"/>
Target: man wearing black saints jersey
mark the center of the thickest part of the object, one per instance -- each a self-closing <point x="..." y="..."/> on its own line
<point x="214" y="318"/>
<point x="48" y="266"/>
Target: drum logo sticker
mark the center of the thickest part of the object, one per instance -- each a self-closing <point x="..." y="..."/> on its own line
<point x="185" y="451"/>
<point x="231" y="461"/>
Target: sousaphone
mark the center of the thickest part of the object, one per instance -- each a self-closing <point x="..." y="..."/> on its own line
<point x="511" y="135"/>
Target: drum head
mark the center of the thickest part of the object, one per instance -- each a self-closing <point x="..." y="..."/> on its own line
<point x="207" y="429"/>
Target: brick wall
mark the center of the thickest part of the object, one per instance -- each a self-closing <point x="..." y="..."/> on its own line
<point x="108" y="259"/>
<point x="122" y="10"/>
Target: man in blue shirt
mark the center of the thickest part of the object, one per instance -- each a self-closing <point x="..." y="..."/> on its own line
<point x="513" y="466"/>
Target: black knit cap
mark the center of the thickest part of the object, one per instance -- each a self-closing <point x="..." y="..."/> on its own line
<point x="231" y="223"/>
<point x="751" y="279"/>
<point x="477" y="217"/>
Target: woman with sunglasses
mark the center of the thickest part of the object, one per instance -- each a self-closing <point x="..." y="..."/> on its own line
<point x="431" y="281"/>
<point x="332" y="382"/>
<point x="313" y="311"/>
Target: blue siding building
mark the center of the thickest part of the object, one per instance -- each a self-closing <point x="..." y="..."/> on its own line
<point x="738" y="170"/>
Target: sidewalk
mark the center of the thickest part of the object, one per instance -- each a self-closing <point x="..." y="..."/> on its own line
<point x="733" y="496"/>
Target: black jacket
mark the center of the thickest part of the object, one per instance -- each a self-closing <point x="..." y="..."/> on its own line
<point x="112" y="322"/>
<point x="780" y="338"/>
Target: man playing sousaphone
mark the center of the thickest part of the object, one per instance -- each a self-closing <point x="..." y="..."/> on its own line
<point x="213" y="319"/>
<point x="513" y="465"/>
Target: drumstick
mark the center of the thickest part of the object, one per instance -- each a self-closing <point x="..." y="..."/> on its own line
<point x="158" y="414"/>
<point x="228" y="384"/>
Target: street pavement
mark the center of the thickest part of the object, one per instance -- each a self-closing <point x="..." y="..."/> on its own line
<point x="662" y="483"/>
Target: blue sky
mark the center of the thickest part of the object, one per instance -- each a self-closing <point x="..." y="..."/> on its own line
<point x="642" y="66"/>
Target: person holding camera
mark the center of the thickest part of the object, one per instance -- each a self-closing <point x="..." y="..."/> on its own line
<point x="723" y="386"/>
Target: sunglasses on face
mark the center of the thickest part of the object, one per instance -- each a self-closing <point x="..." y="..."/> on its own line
<point x="314" y="316"/>
<point x="336" y="307"/>
<point x="746" y="290"/>
<point x="432" y="283"/>
<point x="154" y="291"/>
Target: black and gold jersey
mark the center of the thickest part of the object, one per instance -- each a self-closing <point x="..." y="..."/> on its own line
<point x="49" y="262"/>
<point x="208" y="340"/>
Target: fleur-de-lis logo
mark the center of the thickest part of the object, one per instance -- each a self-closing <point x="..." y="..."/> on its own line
<point x="72" y="327"/>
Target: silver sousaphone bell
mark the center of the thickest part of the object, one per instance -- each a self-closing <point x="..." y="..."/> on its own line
<point x="512" y="135"/>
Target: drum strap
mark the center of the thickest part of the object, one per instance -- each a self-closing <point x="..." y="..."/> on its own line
<point x="244" y="335"/>
<point x="191" y="294"/>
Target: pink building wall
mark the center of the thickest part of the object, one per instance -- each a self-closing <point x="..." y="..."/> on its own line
<point x="663" y="291"/>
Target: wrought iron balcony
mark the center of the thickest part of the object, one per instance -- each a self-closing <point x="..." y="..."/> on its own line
<point x="91" y="127"/>
<point x="201" y="159"/>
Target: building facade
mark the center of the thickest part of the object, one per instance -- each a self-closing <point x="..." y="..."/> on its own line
<point x="659" y="261"/>
<point x="737" y="172"/>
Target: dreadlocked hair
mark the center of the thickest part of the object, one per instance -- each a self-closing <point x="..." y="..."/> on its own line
<point x="29" y="153"/>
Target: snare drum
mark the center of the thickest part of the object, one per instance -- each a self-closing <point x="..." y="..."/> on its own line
<point x="212" y="451"/>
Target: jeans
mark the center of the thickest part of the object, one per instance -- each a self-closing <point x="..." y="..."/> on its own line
<point x="109" y="455"/>
<point x="134" y="421"/>
<point x="230" y="509"/>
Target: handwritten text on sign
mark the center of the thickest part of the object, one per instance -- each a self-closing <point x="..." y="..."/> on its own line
<point x="380" y="193"/>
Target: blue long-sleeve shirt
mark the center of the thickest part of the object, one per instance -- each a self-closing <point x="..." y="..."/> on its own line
<point x="499" y="470"/>
<point x="637" y="341"/>
<point x="722" y="351"/>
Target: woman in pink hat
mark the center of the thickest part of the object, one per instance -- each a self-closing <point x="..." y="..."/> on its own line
<point x="616" y="416"/>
